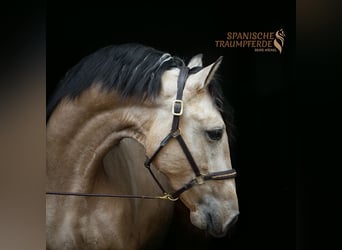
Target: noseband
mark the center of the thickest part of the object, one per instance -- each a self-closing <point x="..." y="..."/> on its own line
<point x="175" y="133"/>
<point x="177" y="111"/>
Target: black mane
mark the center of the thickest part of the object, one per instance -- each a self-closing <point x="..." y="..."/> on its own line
<point x="131" y="70"/>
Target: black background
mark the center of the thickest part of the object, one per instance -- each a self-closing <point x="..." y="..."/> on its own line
<point x="310" y="140"/>
<point x="259" y="86"/>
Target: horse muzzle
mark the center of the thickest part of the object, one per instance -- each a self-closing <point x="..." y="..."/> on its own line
<point x="215" y="217"/>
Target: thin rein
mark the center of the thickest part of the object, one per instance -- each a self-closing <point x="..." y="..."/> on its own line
<point x="166" y="196"/>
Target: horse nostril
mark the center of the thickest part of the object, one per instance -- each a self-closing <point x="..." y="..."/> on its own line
<point x="232" y="222"/>
<point x="210" y="219"/>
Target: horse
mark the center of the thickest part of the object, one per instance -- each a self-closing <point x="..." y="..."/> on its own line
<point x="134" y="122"/>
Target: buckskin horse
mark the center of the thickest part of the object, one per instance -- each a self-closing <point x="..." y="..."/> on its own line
<point x="130" y="129"/>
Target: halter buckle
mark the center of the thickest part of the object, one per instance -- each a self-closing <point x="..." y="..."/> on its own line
<point x="177" y="107"/>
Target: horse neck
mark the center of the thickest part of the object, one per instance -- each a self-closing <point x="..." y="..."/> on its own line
<point x="81" y="131"/>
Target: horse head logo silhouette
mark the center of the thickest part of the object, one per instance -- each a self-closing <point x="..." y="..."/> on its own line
<point x="279" y="40"/>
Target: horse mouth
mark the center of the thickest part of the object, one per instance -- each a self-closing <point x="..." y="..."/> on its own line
<point x="215" y="228"/>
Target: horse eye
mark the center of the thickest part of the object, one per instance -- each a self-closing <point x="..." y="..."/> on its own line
<point x="215" y="134"/>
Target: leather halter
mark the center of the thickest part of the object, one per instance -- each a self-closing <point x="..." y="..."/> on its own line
<point x="177" y="111"/>
<point x="175" y="133"/>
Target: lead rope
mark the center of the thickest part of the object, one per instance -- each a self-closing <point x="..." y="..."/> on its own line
<point x="163" y="197"/>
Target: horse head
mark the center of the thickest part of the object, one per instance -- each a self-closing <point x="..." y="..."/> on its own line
<point x="213" y="204"/>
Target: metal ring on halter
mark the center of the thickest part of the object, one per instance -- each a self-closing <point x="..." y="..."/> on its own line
<point x="199" y="179"/>
<point x="176" y="133"/>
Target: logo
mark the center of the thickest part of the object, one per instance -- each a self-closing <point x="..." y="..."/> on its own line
<point x="259" y="41"/>
<point x="279" y="36"/>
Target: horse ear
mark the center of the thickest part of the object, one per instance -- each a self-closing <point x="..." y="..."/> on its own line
<point x="196" y="61"/>
<point x="203" y="77"/>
